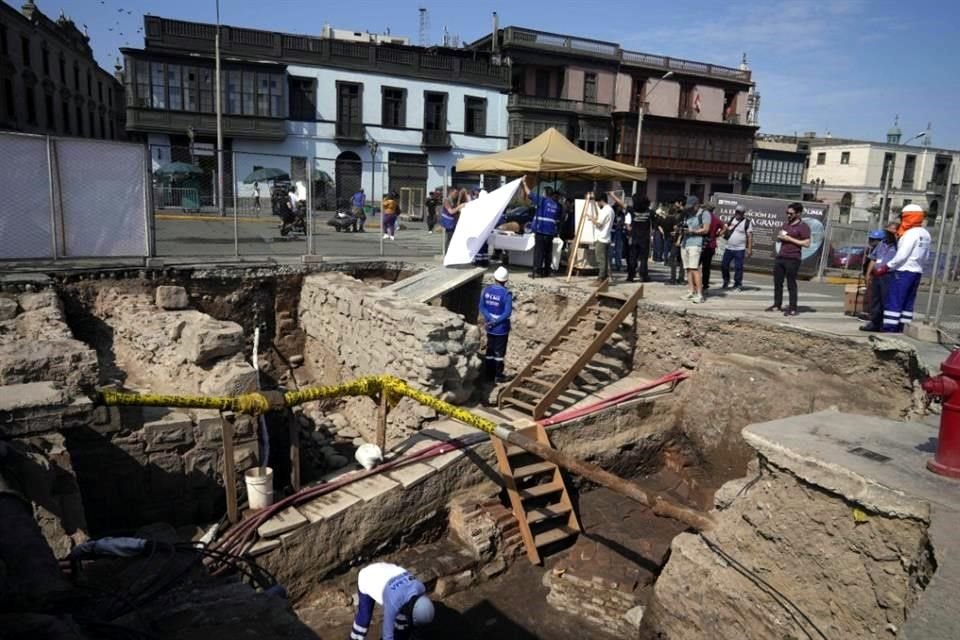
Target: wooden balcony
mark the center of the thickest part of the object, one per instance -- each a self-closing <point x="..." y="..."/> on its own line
<point x="349" y="132"/>
<point x="518" y="102"/>
<point x="436" y="139"/>
<point x="164" y="121"/>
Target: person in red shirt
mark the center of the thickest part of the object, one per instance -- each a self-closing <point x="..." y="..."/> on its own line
<point x="710" y="246"/>
<point x="794" y="236"/>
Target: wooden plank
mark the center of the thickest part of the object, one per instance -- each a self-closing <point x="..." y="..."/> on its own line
<point x="540" y="491"/>
<point x="518" y="403"/>
<point x="536" y="395"/>
<point x="588" y="354"/>
<point x="229" y="471"/>
<point x="573" y="522"/>
<point x="553" y="535"/>
<point x="382" y="422"/>
<point x="533" y="469"/>
<point x="542" y="514"/>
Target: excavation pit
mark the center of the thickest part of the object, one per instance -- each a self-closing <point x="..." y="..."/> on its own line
<point x="191" y="331"/>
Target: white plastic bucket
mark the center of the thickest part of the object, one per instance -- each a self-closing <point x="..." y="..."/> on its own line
<point x="259" y="487"/>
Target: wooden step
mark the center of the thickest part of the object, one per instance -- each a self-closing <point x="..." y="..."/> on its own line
<point x="534" y="469"/>
<point x="613" y="295"/>
<point x="527" y="392"/>
<point x="553" y="535"/>
<point x="540" y="491"/>
<point x="519" y="403"/>
<point x="540" y="381"/>
<point x="542" y="514"/>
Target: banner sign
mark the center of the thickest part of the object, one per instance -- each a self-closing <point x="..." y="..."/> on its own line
<point x="766" y="216"/>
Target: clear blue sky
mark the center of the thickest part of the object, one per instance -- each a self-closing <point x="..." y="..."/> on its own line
<point x="844" y="66"/>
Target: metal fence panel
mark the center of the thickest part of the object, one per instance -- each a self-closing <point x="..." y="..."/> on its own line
<point x="102" y="187"/>
<point x="26" y="226"/>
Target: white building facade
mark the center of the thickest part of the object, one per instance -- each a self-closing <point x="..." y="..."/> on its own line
<point x="853" y="174"/>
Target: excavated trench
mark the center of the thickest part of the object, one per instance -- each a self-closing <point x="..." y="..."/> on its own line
<point x="163" y="466"/>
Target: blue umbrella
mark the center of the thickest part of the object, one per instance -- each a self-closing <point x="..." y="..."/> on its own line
<point x="179" y="169"/>
<point x="263" y="174"/>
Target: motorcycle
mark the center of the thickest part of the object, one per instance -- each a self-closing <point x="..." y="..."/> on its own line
<point x="294" y="222"/>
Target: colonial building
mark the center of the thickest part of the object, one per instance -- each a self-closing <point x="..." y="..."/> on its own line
<point x="698" y="125"/>
<point x="49" y="80"/>
<point x="853" y="175"/>
<point x="337" y="103"/>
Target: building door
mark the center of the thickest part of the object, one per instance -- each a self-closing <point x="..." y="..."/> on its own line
<point x="407" y="175"/>
<point x="348" y="170"/>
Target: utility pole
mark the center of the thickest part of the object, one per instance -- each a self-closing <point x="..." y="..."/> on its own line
<point x="219" y="107"/>
<point x="640" y="110"/>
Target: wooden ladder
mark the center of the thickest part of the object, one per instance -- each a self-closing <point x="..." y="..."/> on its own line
<point x="536" y="389"/>
<point x="538" y="495"/>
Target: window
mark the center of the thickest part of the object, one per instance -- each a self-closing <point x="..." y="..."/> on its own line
<point x="31" y="100"/>
<point x="89" y="85"/>
<point x="158" y="90"/>
<point x="394" y="107"/>
<point x="48" y="108"/>
<point x="91" y="130"/>
<point x="687" y="92"/>
<point x="844" y="157"/>
<point x="542" y="86"/>
<point x="65" y="112"/>
<point x="730" y="106"/>
<point x="434" y="111"/>
<point x="45" y="60"/>
<point x="103" y="131"/>
<point x="141" y="79"/>
<point x="909" y="168"/>
<point x="822" y="158"/>
<point x="889" y="160"/>
<point x="25" y="50"/>
<point x="349" y="109"/>
<point x="590" y="87"/>
<point x="100" y="91"/>
<point x="8" y="99"/>
<point x="205" y="83"/>
<point x="76" y="76"/>
<point x="174" y="87"/>
<point x="639" y="85"/>
<point x="475" y="116"/>
<point x="249" y="92"/>
<point x="112" y="136"/>
<point x="189" y="89"/>
<point x="3" y="39"/>
<point x="303" y="104"/>
<point x="63" y="70"/>
<point x="79" y="115"/>
<point x="233" y="92"/>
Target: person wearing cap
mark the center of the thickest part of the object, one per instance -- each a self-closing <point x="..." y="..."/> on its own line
<point x="905" y="269"/>
<point x="401" y="595"/>
<point x="695" y="230"/>
<point x="739" y="237"/>
<point x="883" y="247"/>
<point x="496" y="306"/>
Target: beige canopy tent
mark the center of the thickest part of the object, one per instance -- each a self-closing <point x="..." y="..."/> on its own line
<point x="551" y="154"/>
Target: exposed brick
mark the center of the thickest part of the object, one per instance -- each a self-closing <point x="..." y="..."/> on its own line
<point x="173" y="431"/>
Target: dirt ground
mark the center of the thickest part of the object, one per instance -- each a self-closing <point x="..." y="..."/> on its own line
<point x="513" y="606"/>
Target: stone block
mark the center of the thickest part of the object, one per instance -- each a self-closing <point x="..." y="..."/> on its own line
<point x="200" y="465"/>
<point x="922" y="331"/>
<point x="371" y="487"/>
<point x="229" y="378"/>
<point x="263" y="546"/>
<point x="411" y="474"/>
<point x="284" y="522"/>
<point x="172" y="431"/>
<point x="206" y="339"/>
<point x="328" y="506"/>
<point x="8" y="308"/>
<point x="39" y="300"/>
<point x="170" y="297"/>
<point x="245" y="456"/>
<point x="33" y="407"/>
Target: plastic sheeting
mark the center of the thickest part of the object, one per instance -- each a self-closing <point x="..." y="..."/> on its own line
<point x="477" y="221"/>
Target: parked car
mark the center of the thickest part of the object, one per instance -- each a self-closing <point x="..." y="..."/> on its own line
<point x="847" y="257"/>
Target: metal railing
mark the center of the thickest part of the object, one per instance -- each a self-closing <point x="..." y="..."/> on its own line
<point x="542" y="39"/>
<point x="667" y="63"/>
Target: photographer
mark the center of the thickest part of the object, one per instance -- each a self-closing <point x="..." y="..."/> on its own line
<point x="694" y="230"/>
<point x="739" y="237"/>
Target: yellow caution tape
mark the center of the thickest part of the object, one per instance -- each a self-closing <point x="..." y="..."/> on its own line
<point x="256" y="404"/>
<point x="860" y="516"/>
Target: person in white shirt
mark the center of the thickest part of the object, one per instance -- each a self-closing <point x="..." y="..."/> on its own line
<point x="602" y="221"/>
<point x="906" y="268"/>
<point x="739" y="237"/>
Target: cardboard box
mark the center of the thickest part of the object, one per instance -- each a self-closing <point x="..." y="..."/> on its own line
<point x="855" y="299"/>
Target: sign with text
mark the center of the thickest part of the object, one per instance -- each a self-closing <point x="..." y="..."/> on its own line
<point x="766" y="216"/>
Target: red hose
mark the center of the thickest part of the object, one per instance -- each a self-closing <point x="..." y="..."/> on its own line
<point x="578" y="412"/>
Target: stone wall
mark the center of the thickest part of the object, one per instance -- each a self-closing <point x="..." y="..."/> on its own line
<point x="355" y="330"/>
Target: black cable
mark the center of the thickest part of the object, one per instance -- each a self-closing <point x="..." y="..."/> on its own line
<point x="765" y="586"/>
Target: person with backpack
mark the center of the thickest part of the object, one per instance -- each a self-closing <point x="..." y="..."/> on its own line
<point x="739" y="237"/>
<point x="637" y="221"/>
<point x="694" y="231"/>
<point x="709" y="245"/>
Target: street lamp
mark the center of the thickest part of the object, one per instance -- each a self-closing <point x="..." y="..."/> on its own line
<point x="216" y="55"/>
<point x="636" y="151"/>
<point x="888" y="168"/>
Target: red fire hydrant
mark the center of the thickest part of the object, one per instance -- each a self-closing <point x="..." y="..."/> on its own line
<point x="946" y="387"/>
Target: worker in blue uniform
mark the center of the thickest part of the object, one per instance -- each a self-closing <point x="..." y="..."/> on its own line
<point x="400" y="594"/>
<point x="545" y="226"/>
<point x="496" y="305"/>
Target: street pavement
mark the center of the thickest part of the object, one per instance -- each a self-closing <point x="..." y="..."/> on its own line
<point x="208" y="236"/>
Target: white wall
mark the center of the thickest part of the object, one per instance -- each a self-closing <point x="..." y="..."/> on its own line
<point x="316" y="139"/>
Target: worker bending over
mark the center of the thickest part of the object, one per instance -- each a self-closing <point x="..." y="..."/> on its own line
<point x="496" y="306"/>
<point x="401" y="596"/>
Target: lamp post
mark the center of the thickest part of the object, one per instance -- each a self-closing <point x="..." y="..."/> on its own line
<point x="219" y="108"/>
<point x="373" y="145"/>
<point x="636" y="150"/>
<point x="885" y="198"/>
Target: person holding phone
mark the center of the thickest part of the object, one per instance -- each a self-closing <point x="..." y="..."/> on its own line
<point x="793" y="237"/>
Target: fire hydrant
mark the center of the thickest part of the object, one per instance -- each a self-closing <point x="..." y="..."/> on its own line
<point x="946" y="387"/>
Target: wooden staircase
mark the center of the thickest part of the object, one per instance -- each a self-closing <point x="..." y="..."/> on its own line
<point x="536" y="389"/>
<point x="538" y="495"/>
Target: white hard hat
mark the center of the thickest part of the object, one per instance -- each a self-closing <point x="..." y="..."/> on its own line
<point x="912" y="208"/>
<point x="422" y="611"/>
<point x="501" y="274"/>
